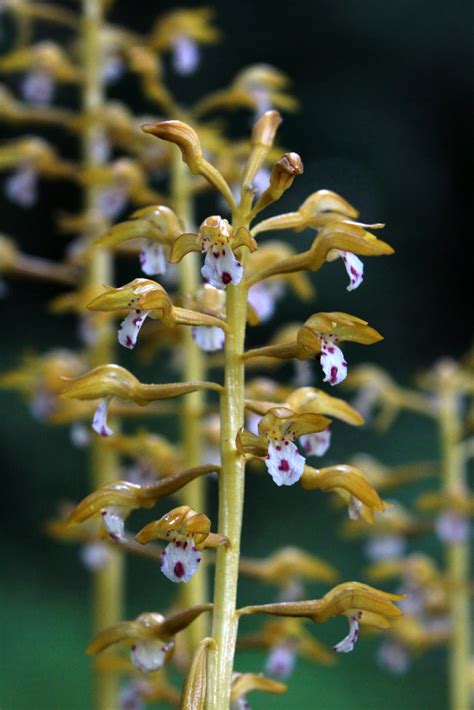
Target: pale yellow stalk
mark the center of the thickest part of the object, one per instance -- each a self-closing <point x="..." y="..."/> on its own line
<point x="231" y="503"/>
<point x="108" y="582"/>
<point x="457" y="553"/>
<point x="196" y="590"/>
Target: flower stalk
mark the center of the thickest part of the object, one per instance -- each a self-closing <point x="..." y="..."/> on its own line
<point x="108" y="581"/>
<point x="457" y="551"/>
<point x="196" y="591"/>
<point x="231" y="502"/>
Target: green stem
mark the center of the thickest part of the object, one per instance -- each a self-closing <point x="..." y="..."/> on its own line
<point x="108" y="582"/>
<point x="457" y="553"/>
<point x="231" y="503"/>
<point x="194" y="592"/>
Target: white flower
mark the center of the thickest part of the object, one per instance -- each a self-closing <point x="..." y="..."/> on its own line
<point x="114" y="523"/>
<point x="112" y="69"/>
<point x="149" y="656"/>
<point x="316" y="444"/>
<point x="94" y="556"/>
<point x="452" y="527"/>
<point x="186" y="55"/>
<point x="393" y="657"/>
<point x="252" y="422"/>
<point x="152" y="258"/>
<point x="38" y="87"/>
<point x="354" y="268"/>
<point x="332" y="361"/>
<point x="284" y="462"/>
<point x="221" y="267"/>
<point x="21" y="187"/>
<point x="354" y="508"/>
<point x="281" y="661"/>
<point x="263" y="297"/>
<point x="208" y="338"/>
<point x="130" y="327"/>
<point x="385" y="547"/>
<point x="99" y="422"/>
<point x="129" y="698"/>
<point x="111" y="201"/>
<point x="80" y="435"/>
<point x="348" y="642"/>
<point x="180" y="559"/>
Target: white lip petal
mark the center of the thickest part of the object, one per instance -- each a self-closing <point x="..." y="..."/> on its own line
<point x="114" y="523"/>
<point x="21" y="187"/>
<point x="99" y="422"/>
<point x="153" y="259"/>
<point x="354" y="268"/>
<point x="149" y="656"/>
<point x="186" y="55"/>
<point x="333" y="362"/>
<point x="281" y="661"/>
<point x="130" y="327"/>
<point x="180" y="560"/>
<point x="38" y="87"/>
<point x="284" y="462"/>
<point x="316" y="444"/>
<point x="221" y="268"/>
<point x="208" y="338"/>
<point x="348" y="642"/>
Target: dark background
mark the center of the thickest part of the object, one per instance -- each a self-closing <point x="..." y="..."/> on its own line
<point x="385" y="120"/>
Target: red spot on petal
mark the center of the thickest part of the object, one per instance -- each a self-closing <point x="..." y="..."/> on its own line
<point x="333" y="377"/>
<point x="284" y="466"/>
<point x="179" y="570"/>
<point x="134" y="648"/>
<point x="226" y="278"/>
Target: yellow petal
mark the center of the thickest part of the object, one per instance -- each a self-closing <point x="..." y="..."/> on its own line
<point x="343" y="477"/>
<point x="244" y="683"/>
<point x="183" y="245"/>
<point x="310" y="399"/>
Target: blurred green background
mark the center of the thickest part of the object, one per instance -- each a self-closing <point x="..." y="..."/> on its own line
<point x="385" y="120"/>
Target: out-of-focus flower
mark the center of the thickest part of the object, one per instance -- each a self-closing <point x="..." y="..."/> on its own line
<point x="182" y="31"/>
<point x="188" y="532"/>
<point x="376" y="390"/>
<point x="243" y="683"/>
<point x="259" y="87"/>
<point x="278" y="429"/>
<point x="151" y="635"/>
<point x="287" y="564"/>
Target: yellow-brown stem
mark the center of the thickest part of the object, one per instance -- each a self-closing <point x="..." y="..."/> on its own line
<point x="231" y="502"/>
<point x="108" y="582"/>
<point x="194" y="592"/>
<point x="457" y="553"/>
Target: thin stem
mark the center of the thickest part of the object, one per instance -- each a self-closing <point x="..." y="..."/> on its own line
<point x="231" y="503"/>
<point x="108" y="582"/>
<point x="457" y="553"/>
<point x="195" y="591"/>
